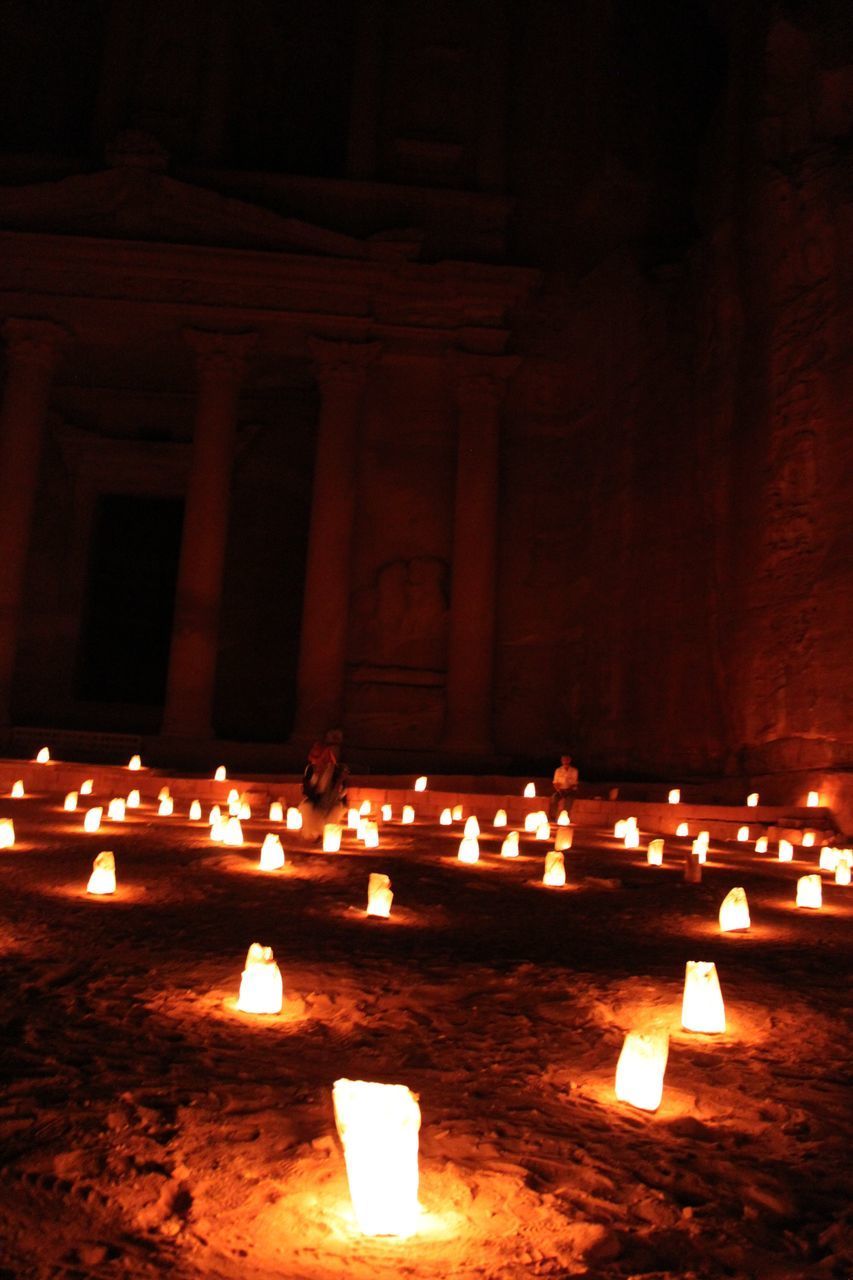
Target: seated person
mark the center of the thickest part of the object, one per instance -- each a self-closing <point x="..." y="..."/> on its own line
<point x="565" y="784"/>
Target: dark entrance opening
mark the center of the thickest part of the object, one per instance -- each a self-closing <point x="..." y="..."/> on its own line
<point x="130" y="599"/>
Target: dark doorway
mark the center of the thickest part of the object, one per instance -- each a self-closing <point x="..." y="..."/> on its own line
<point x="130" y="598"/>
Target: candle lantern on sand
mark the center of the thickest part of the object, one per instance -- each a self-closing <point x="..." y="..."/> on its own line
<point x="509" y="847"/>
<point x="276" y="811"/>
<point x="116" y="808"/>
<point x="674" y="796"/>
<point x="134" y="799"/>
<point x="530" y="790"/>
<point x="469" y="849"/>
<point x="92" y="819"/>
<point x="641" y="1066"/>
<point x="420" y="784"/>
<point x="563" y="839"/>
<point x="379" y="895"/>
<point x="261" y="989"/>
<point x="195" y="811"/>
<point x="272" y="854"/>
<point x="702" y="1007"/>
<point x="7" y="833"/>
<point x="378" y="1126"/>
<point x="445" y="818"/>
<point x="786" y="851"/>
<point x="499" y="818"/>
<point x="654" y="853"/>
<point x="331" y="837"/>
<point x="103" y="877"/>
<point x="408" y="814"/>
<point x="472" y="827"/>
<point x="43" y="756"/>
<point x="555" y="870"/>
<point x="69" y="804"/>
<point x="293" y="820"/>
<point x="734" y="911"/>
<point x="810" y="892"/>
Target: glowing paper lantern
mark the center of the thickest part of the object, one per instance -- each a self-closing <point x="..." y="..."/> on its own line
<point x="808" y="839"/>
<point x="445" y="818"/>
<point x="810" y="892"/>
<point x="674" y="796"/>
<point x="272" y="854"/>
<point x="233" y="797"/>
<point x="134" y="763"/>
<point x="564" y="820"/>
<point x="752" y="799"/>
<point x="92" y="819"/>
<point x="632" y="838"/>
<point x="293" y="820"/>
<point x="133" y="799"/>
<point x="828" y="860"/>
<point x="620" y="828"/>
<point x="43" y="756"/>
<point x="408" y="814"/>
<point x="543" y="831"/>
<point x="364" y="809"/>
<point x="761" y="844"/>
<point x="331" y="837"/>
<point x="86" y="787"/>
<point x="700" y="850"/>
<point x="499" y="819"/>
<point x="276" y="811"/>
<point x="529" y="790"/>
<point x="103" y="877"/>
<point x="261" y="988"/>
<point x="555" y="869"/>
<point x="682" y="829"/>
<point x="220" y="774"/>
<point x="563" y="839"/>
<point x="743" y="834"/>
<point x="456" y="813"/>
<point x="842" y="873"/>
<point x="115" y="809"/>
<point x="245" y="812"/>
<point x="167" y="807"/>
<point x="379" y="895"/>
<point x="509" y="848"/>
<point x="163" y="793"/>
<point x="217" y="830"/>
<point x="469" y="849"/>
<point x="195" y="811"/>
<point x="215" y="815"/>
<point x="7" y="833"/>
<point x="702" y="1007"/>
<point x="378" y="1126"/>
<point x="370" y="835"/>
<point x="654" y="853"/>
<point x="69" y="804"/>
<point x="232" y="833"/>
<point x="17" y="792"/>
<point x="420" y="784"/>
<point x="388" y="813"/>
<point x="472" y="827"/>
<point x="786" y="851"/>
<point x="641" y="1067"/>
<point x="353" y="819"/>
<point x="734" y="911"/>
<point x="813" y="800"/>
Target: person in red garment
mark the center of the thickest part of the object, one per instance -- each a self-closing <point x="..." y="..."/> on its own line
<point x="324" y="785"/>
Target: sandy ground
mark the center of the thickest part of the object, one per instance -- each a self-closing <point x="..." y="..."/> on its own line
<point x="148" y="1128"/>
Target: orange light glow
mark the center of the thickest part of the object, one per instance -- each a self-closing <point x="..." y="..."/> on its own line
<point x="808" y="839"/>
<point x="379" y="895"/>
<point x="17" y="792"/>
<point x="509" y="848"/>
<point x="682" y="829"/>
<point x="752" y="799"/>
<point x="133" y="799"/>
<point x="469" y="849"/>
<point x="420" y="784"/>
<point x="445" y="818"/>
<point x="641" y="1067"/>
<point x="810" y="892"/>
<point x="408" y="815"/>
<point x="7" y="833"/>
<point x="555" y="870"/>
<point x="69" y="804"/>
<point x="813" y="800"/>
<point x="293" y="820"/>
<point x="700" y="850"/>
<point x="743" y="834"/>
<point x="563" y="839"/>
<point x="163" y="793"/>
<point x="220" y="773"/>
<point x="529" y="790"/>
<point x="134" y="764"/>
<point x="86" y="787"/>
<point x="472" y="827"/>
<point x="378" y="1126"/>
<point x="842" y="873"/>
<point x="244" y="813"/>
<point x="369" y="834"/>
<point x="116" y="808"/>
<point x="103" y="877"/>
<point x="388" y="813"/>
<point x="364" y="809"/>
<point x="761" y="844"/>
<point x="543" y="831"/>
<point x="786" y="851"/>
<point x="654" y="853"/>
<point x="261" y="987"/>
<point x="276" y="811"/>
<point x="702" y="1007"/>
<point x="499" y="819"/>
<point x="272" y="854"/>
<point x="166" y="807"/>
<point x="92" y="819"/>
<point x="734" y="911"/>
<point x="331" y="837"/>
<point x="674" y="796"/>
<point x="232" y="833"/>
<point x="456" y="813"/>
<point x="564" y="820"/>
<point x="43" y="756"/>
<point x="195" y="811"/>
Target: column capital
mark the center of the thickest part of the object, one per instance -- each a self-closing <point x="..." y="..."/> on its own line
<point x="220" y="354"/>
<point x="33" y="343"/>
<point x="481" y="380"/>
<point x="342" y="365"/>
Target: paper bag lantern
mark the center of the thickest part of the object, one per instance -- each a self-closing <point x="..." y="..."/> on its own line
<point x="134" y="799"/>
<point x="276" y="811"/>
<point x="167" y="807"/>
<point x="786" y="851"/>
<point x="808" y="839"/>
<point x="43" y="756"/>
<point x="842" y="872"/>
<point x="641" y="1067"/>
<point x="408" y="814"/>
<point x="563" y="839"/>
<point x="682" y="829"/>
<point x="420" y="784"/>
<point x="674" y="796"/>
<point x="331" y="837"/>
<point x="619" y="829"/>
<point x="220" y="773"/>
<point x="370" y="835"/>
<point x="632" y="838"/>
<point x="700" y="850"/>
<point x="456" y="813"/>
<point x="195" y="811"/>
<point x="364" y="808"/>
<point x="272" y="854"/>
<point x="92" y="819"/>
<point x="654" y="853"/>
<point x="828" y="859"/>
<point x="509" y="848"/>
<point x="86" y="787"/>
<point x="761" y="844"/>
<point x="7" y="833"/>
<point x="103" y="877"/>
<point x="261" y="988"/>
<point x="163" y="794"/>
<point x="752" y="799"/>
<point x="388" y="813"/>
<point x="563" y="819"/>
<point x="353" y="818"/>
<point x="379" y="895"/>
<point x="232" y="833"/>
<point x="702" y="1007"/>
<point x="472" y="827"/>
<point x="69" y="804"/>
<point x="555" y="870"/>
<point x="734" y="911"/>
<point x="499" y="819"/>
<point x="378" y="1126"/>
<point x="17" y="792"/>
<point x="115" y="809"/>
<point x="134" y="764"/>
<point x="445" y="818"/>
<point x="217" y="830"/>
<point x="810" y="892"/>
<point x="233" y="798"/>
<point x="813" y="800"/>
<point x="293" y="819"/>
<point x="245" y="811"/>
<point x="215" y="815"/>
<point x="543" y="831"/>
<point x="743" y="834"/>
<point x="530" y="790"/>
<point x="469" y="849"/>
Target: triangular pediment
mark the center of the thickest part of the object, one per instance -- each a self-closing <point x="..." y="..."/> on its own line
<point x="131" y="203"/>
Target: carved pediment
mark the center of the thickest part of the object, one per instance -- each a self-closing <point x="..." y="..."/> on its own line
<point x="136" y="202"/>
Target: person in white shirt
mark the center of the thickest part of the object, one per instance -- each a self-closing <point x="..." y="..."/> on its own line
<point x="565" y="784"/>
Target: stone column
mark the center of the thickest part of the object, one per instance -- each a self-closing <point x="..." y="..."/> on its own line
<point x="480" y="386"/>
<point x="342" y="369"/>
<point x="32" y="347"/>
<point x="220" y="364"/>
